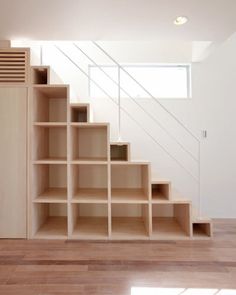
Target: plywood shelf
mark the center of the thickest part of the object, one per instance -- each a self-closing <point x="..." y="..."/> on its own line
<point x="54" y="160"/>
<point x="171" y="221"/>
<point x="50" y="183"/>
<point x="202" y="229"/>
<point x="51" y="124"/>
<point x="53" y="90"/>
<point x="90" y="221"/>
<point x="82" y="186"/>
<point x="91" y="228"/>
<point x="49" y="221"/>
<point x="90" y="142"/>
<point x="39" y="75"/>
<point x="130" y="221"/>
<point x="129" y="196"/>
<point x="120" y="151"/>
<point x="90" y="195"/>
<point x="161" y="191"/>
<point x="90" y="160"/>
<point x="53" y="228"/>
<point x="89" y="183"/>
<point x="130" y="183"/>
<point x="50" y="143"/>
<point x="52" y="195"/>
<point x="167" y="228"/>
<point x="79" y="113"/>
<point x="128" y="228"/>
<point x="50" y="104"/>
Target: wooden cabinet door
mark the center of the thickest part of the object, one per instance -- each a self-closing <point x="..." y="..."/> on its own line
<point x="13" y="162"/>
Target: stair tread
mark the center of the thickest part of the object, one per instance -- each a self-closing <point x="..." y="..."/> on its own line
<point x="160" y="181"/>
<point x="79" y="104"/>
<point x="131" y="162"/>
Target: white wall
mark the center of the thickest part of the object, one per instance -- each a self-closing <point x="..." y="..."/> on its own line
<point x="212" y="108"/>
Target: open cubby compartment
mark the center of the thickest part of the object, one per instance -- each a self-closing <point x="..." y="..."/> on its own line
<point x="120" y="151"/>
<point x="130" y="183"/>
<point x="89" y="221"/>
<point x="49" y="221"/>
<point x="161" y="190"/>
<point x="50" y="143"/>
<point x="89" y="183"/>
<point x="50" y="183"/>
<point x="202" y="229"/>
<point x="90" y="142"/>
<point x="130" y="221"/>
<point x="40" y="75"/>
<point x="50" y="103"/>
<point x="79" y="113"/>
<point x="171" y="221"/>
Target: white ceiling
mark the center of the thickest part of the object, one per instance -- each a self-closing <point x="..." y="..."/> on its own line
<point x="209" y="20"/>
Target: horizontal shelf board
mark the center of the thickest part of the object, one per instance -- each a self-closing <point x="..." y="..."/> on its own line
<point x="201" y="220"/>
<point x="129" y="163"/>
<point x="79" y="105"/>
<point x="91" y="195"/>
<point x="128" y="195"/>
<point x="90" y="160"/>
<point x="161" y="181"/>
<point x="171" y="202"/>
<point x="53" y="91"/>
<point x="120" y="143"/>
<point x="51" y="124"/>
<point x="128" y="228"/>
<point x="89" y="125"/>
<point x="120" y="160"/>
<point x="167" y="228"/>
<point x="53" y="228"/>
<point x="53" y="195"/>
<point x="91" y="228"/>
<point x="51" y="161"/>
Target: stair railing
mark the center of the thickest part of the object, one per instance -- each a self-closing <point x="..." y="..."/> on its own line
<point x="198" y="160"/>
<point x="197" y="179"/>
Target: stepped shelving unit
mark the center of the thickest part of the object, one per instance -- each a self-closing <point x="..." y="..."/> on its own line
<point x="82" y="186"/>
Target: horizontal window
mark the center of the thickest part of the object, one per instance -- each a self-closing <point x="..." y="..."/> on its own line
<point x="162" y="81"/>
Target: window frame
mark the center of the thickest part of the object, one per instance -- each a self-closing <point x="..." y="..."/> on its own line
<point x="188" y="67"/>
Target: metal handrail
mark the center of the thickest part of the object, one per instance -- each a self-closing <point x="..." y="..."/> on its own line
<point x="127" y="113"/>
<point x="170" y="113"/>
<point x="134" y="100"/>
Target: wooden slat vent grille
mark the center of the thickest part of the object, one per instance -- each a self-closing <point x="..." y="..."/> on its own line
<point x="13" y="66"/>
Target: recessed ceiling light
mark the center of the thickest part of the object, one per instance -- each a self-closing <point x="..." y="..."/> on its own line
<point x="180" y="20"/>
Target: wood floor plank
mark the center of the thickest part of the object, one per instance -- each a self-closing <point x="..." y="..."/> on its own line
<point x="40" y="267"/>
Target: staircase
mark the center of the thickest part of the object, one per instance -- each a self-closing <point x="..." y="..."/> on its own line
<point x="82" y="186"/>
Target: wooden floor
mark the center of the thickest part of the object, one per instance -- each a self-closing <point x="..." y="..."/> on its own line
<point x="68" y="267"/>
